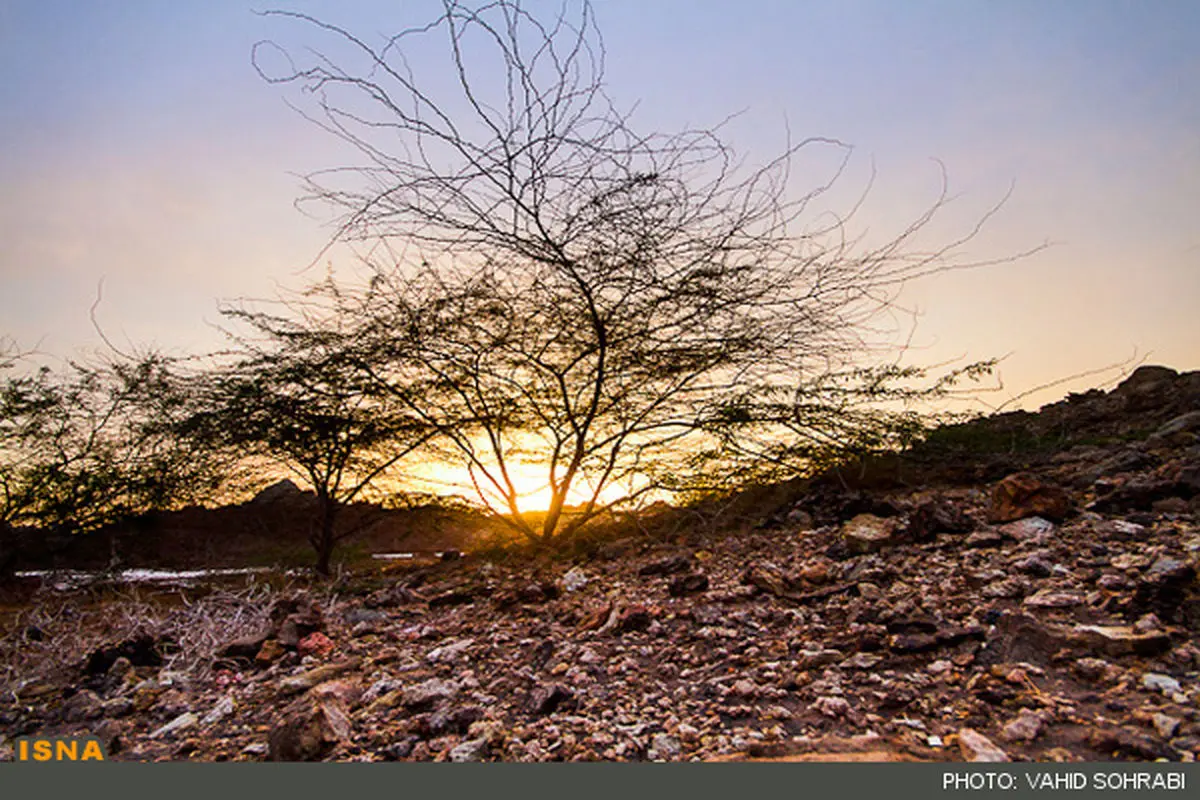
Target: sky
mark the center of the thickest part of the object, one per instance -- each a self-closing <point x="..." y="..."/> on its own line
<point x="141" y="150"/>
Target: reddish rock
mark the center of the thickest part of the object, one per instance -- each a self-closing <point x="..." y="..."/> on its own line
<point x="315" y="644"/>
<point x="594" y="618"/>
<point x="1022" y="495"/>
<point x="269" y="653"/>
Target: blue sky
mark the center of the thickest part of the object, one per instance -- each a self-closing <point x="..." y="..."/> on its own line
<point x="139" y="146"/>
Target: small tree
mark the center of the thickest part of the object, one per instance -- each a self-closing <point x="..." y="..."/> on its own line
<point x="93" y="444"/>
<point x="292" y="396"/>
<point x="620" y="306"/>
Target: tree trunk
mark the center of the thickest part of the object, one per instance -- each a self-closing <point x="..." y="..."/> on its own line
<point x="328" y="508"/>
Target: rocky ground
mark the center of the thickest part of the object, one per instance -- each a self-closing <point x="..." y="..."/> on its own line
<point x="1038" y="604"/>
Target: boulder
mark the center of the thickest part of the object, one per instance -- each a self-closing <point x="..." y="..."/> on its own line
<point x="867" y="533"/>
<point x="1022" y="495"/>
<point x="309" y="728"/>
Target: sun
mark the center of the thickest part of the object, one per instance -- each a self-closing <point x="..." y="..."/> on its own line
<point x="530" y="479"/>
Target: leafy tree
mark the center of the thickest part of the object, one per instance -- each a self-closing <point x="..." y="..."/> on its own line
<point x="630" y="309"/>
<point x="93" y="444"/>
<point x="291" y="396"/>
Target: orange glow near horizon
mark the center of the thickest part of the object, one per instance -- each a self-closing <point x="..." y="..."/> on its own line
<point x="530" y="479"/>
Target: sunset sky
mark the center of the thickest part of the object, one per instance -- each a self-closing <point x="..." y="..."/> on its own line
<point x="141" y="148"/>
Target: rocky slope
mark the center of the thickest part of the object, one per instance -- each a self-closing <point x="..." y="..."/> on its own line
<point x="1023" y="589"/>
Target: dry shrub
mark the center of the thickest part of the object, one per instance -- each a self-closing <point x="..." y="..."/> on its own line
<point x="51" y="639"/>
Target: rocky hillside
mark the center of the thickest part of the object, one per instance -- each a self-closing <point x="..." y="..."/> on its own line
<point x="1021" y="588"/>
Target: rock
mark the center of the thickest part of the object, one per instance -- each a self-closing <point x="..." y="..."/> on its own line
<point x="1024" y="728"/>
<point x="429" y="692"/>
<point x="1166" y="725"/>
<point x="449" y="653"/>
<point x="1051" y="598"/>
<point x="308" y="729"/>
<point x="461" y="596"/>
<point x="1148" y="623"/>
<point x="256" y="749"/>
<point x="1184" y="423"/>
<point x="117" y="707"/>
<point x="224" y="707"/>
<point x="834" y="707"/>
<point x="182" y="722"/>
<point x="1035" y="566"/>
<point x="666" y="566"/>
<point x="981" y="539"/>
<point x="246" y="647"/>
<point x="1022" y="495"/>
<point x="691" y="583"/>
<point x="472" y="750"/>
<point x="574" y="580"/>
<point x="1161" y="683"/>
<point x="83" y="705"/>
<point x="547" y="699"/>
<point x="307" y="680"/>
<point x="293" y="618"/>
<point x="937" y="516"/>
<point x="867" y="533"/>
<point x="634" y="618"/>
<point x="947" y="636"/>
<point x="1119" y="640"/>
<point x="315" y="644"/>
<point x="1028" y="529"/>
<point x="663" y="747"/>
<point x="270" y="652"/>
<point x="596" y="618"/>
<point x="976" y="747"/>
<point x="456" y="720"/>
<point x="767" y="578"/>
<point x="861" y="661"/>
<point x="812" y="659"/>
<point x="369" y="616"/>
<point x="1092" y="669"/>
<point x="1124" y="742"/>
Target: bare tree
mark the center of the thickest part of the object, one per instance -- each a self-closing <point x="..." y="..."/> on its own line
<point x="610" y="303"/>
